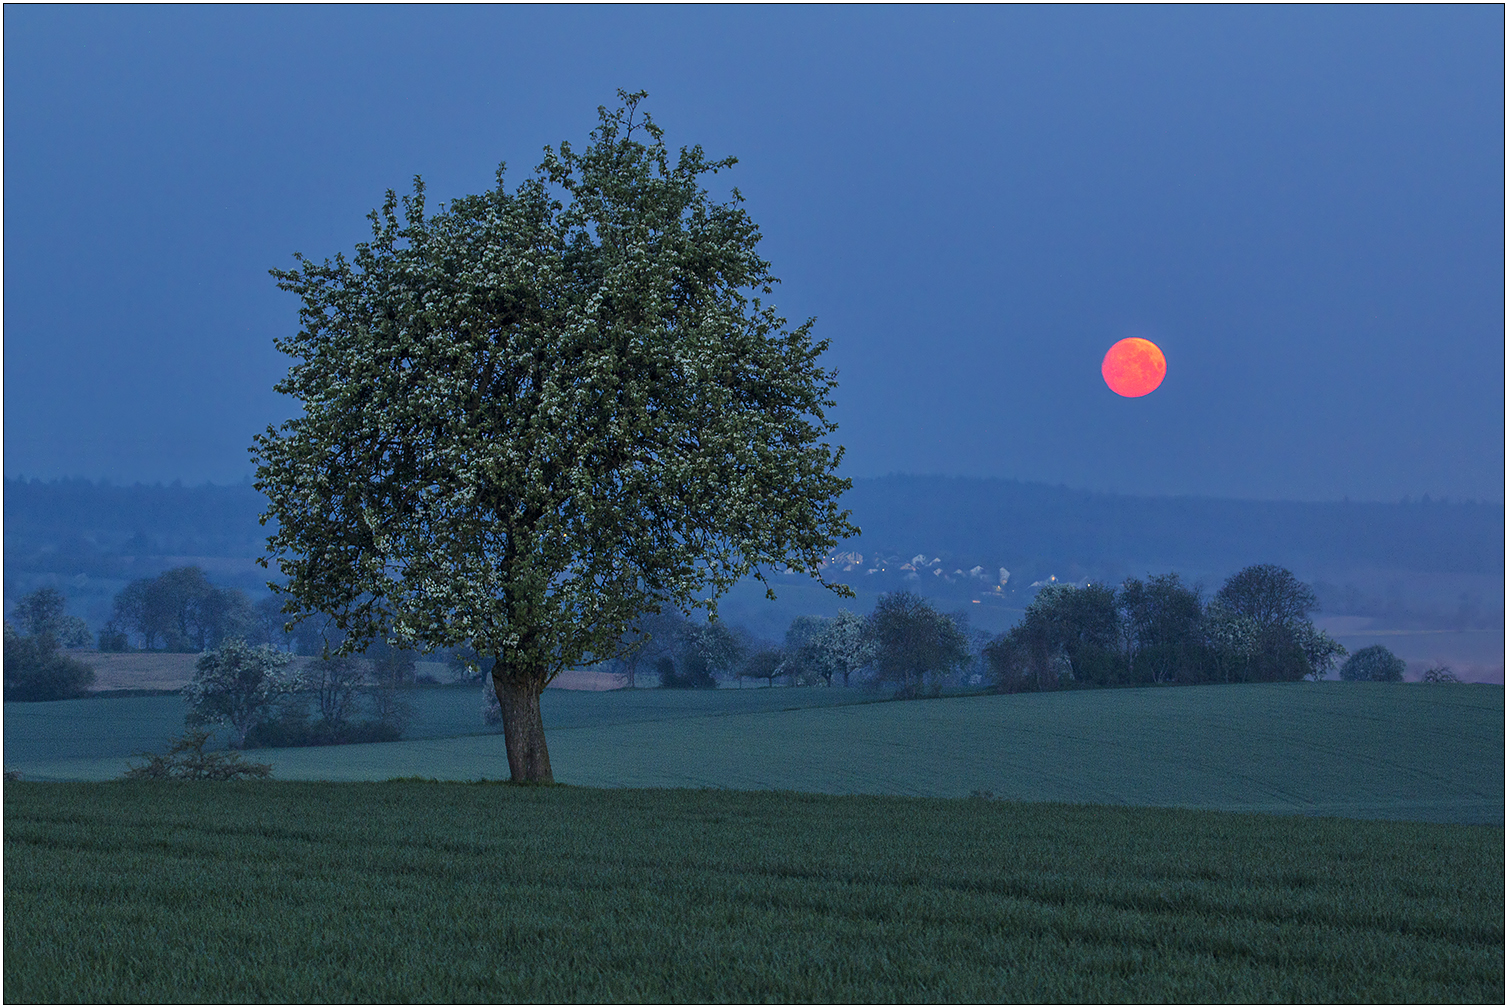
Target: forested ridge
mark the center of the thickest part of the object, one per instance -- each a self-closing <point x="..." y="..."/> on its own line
<point x="1057" y="525"/>
<point x="961" y="515"/>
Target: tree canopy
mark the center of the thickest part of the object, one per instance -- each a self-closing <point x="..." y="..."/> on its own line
<point x="1374" y="664"/>
<point x="535" y="416"/>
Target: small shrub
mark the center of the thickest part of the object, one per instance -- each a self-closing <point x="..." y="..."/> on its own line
<point x="1440" y="674"/>
<point x="294" y="731"/>
<point x="187" y="760"/>
<point x="694" y="676"/>
<point x="113" y="640"/>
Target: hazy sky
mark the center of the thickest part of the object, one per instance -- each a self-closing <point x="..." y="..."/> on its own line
<point x="1302" y="206"/>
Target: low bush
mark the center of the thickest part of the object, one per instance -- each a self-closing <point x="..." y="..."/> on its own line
<point x="693" y="676"/>
<point x="1373" y="664"/>
<point x="294" y="730"/>
<point x="36" y="670"/>
<point x="187" y="760"/>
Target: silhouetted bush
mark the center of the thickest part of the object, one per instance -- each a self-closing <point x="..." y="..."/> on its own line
<point x="187" y="760"/>
<point x="36" y="670"/>
<point x="1439" y="674"/>
<point x="1373" y="664"/>
<point x="293" y="731"/>
<point x="693" y="675"/>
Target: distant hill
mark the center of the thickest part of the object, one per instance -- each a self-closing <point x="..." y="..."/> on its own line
<point x="1043" y="527"/>
<point x="1419" y="556"/>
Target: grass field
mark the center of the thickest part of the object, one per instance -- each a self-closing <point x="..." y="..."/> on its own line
<point x="429" y="892"/>
<point x="1368" y="750"/>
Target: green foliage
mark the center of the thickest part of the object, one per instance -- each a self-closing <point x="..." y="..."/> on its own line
<point x="765" y="663"/>
<point x="179" y="610"/>
<point x="336" y="683"/>
<point x="36" y="670"/>
<point x="113" y="639"/>
<point x="914" y="644"/>
<point x="845" y="644"/>
<point x="294" y="730"/>
<point x="1163" y="633"/>
<point x="527" y="422"/>
<point x="420" y="892"/>
<point x="1283" y="645"/>
<point x="44" y="613"/>
<point x="1069" y="636"/>
<point x="693" y="673"/>
<point x="1256" y="629"/>
<point x="241" y="686"/>
<point x="187" y="760"/>
<point x="1373" y="664"/>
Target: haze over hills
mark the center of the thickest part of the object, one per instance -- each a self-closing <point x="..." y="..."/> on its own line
<point x="956" y="539"/>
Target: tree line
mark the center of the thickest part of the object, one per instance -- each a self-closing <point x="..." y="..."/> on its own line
<point x="1158" y="630"/>
<point x="1256" y="628"/>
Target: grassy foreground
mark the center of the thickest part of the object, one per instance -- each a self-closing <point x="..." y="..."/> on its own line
<point x="431" y="892"/>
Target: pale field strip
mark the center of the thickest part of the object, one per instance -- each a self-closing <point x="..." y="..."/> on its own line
<point x="115" y="671"/>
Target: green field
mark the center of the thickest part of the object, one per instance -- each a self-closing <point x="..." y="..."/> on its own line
<point x="431" y="892"/>
<point x="1367" y="750"/>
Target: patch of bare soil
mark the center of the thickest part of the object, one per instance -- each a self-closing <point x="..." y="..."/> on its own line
<point x="137" y="671"/>
<point x="584" y="679"/>
<point x="142" y="670"/>
<point x="150" y="670"/>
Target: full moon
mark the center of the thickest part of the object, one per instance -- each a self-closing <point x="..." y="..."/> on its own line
<point x="1134" y="367"/>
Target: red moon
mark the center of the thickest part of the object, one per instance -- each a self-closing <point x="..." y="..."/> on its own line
<point x="1134" y="367"/>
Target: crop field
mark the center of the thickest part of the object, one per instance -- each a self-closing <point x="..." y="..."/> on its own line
<point x="1366" y="750"/>
<point x="432" y="892"/>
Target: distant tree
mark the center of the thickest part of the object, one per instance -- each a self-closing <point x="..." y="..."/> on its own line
<point x="238" y="685"/>
<point x="1163" y="620"/>
<point x="392" y="671"/>
<point x="1373" y="664"/>
<point x="1234" y="641"/>
<point x="526" y="423"/>
<point x="1320" y="650"/>
<point x="1268" y="595"/>
<point x="1286" y="645"/>
<point x="41" y="612"/>
<point x="336" y="683"/>
<point x="914" y="644"/>
<point x="269" y="624"/>
<point x="36" y="670"/>
<point x="807" y="659"/>
<point x="1439" y="674"/>
<point x="112" y="638"/>
<point x="845" y="642"/>
<point x="179" y="610"/>
<point x="692" y="674"/>
<point x="492" y="709"/>
<point x="766" y="663"/>
<point x="654" y="636"/>
<point x="391" y="664"/>
<point x="44" y="612"/>
<point x="316" y="634"/>
<point x="712" y="648"/>
<point x="1068" y="635"/>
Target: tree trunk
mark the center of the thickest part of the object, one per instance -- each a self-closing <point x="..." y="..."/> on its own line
<point x="523" y="729"/>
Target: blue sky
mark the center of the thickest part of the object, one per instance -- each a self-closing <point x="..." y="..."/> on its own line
<point x="1303" y="206"/>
